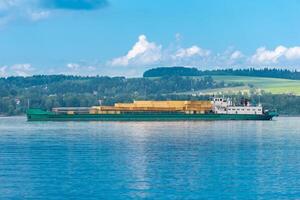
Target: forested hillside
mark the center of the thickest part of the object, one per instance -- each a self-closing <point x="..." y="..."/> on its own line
<point x="46" y="92"/>
<point x="185" y="71"/>
<point x="60" y="90"/>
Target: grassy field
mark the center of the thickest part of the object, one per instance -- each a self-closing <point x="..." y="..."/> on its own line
<point x="273" y="85"/>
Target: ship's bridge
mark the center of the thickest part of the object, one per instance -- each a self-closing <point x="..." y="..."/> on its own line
<point x="225" y="106"/>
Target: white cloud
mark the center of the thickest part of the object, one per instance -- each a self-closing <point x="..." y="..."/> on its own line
<point x="191" y="51"/>
<point x="3" y="72"/>
<point x="73" y="66"/>
<point x="236" y="55"/>
<point x="293" y="53"/>
<point x="22" y="69"/>
<point x="17" y="70"/>
<point x="280" y="53"/>
<point x="80" y="68"/>
<point x="264" y="56"/>
<point x="26" y="67"/>
<point x="143" y="52"/>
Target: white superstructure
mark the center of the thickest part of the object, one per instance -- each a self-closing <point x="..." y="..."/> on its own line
<point x="225" y="106"/>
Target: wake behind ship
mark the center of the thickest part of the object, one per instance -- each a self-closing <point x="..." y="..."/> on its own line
<point x="217" y="109"/>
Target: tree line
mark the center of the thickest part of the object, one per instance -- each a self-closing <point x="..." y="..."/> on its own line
<point x="185" y="71"/>
<point x="48" y="91"/>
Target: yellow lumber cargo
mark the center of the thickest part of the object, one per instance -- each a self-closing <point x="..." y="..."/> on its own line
<point x="198" y="106"/>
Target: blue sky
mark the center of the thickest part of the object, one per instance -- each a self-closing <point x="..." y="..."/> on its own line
<point x="125" y="37"/>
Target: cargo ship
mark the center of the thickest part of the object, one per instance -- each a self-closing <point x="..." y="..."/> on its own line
<point x="215" y="109"/>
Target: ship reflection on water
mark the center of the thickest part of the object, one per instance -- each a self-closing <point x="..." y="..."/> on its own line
<point x="150" y="160"/>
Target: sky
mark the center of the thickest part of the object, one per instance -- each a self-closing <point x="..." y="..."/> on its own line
<point x="126" y="37"/>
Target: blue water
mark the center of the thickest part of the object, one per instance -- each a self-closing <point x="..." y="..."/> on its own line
<point x="150" y="160"/>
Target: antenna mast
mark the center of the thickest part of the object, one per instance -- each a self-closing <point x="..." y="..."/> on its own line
<point x="28" y="103"/>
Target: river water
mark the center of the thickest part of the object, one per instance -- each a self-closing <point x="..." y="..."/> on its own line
<point x="150" y="160"/>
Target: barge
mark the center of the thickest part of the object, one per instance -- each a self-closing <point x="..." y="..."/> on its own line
<point x="216" y="109"/>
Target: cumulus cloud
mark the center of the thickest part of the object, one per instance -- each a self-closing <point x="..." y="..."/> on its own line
<point x="265" y="56"/>
<point x="80" y="68"/>
<point x="191" y="51"/>
<point x="3" y="72"/>
<point x="142" y="52"/>
<point x="22" y="69"/>
<point x="17" y="70"/>
<point x="293" y="53"/>
<point x="145" y="52"/>
<point x="236" y="55"/>
<point x="73" y="66"/>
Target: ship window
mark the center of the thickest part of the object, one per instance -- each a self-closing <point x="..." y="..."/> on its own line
<point x="259" y="109"/>
<point x="248" y="109"/>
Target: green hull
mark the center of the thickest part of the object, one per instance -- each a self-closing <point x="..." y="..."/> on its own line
<point x="40" y="115"/>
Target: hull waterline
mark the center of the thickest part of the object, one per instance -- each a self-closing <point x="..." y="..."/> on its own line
<point x="39" y="115"/>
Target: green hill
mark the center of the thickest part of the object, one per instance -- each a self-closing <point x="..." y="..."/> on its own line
<point x="254" y="84"/>
<point x="272" y="85"/>
<point x="252" y="72"/>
